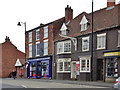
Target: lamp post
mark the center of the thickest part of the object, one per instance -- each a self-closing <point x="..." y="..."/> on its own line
<point x="19" y="24"/>
<point x="92" y="46"/>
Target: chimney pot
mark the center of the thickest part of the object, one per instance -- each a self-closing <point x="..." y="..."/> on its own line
<point x="110" y="3"/>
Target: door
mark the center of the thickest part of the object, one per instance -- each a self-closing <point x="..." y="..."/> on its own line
<point x="73" y="70"/>
<point x="99" y="69"/>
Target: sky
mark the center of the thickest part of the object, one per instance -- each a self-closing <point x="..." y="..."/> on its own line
<point x="34" y="12"/>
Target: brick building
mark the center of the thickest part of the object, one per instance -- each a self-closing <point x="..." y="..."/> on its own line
<point x="40" y="47"/>
<point x="72" y="53"/>
<point x="9" y="54"/>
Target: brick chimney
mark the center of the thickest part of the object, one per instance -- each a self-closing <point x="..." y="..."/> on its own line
<point x="68" y="14"/>
<point x="110" y="3"/>
<point x="7" y="39"/>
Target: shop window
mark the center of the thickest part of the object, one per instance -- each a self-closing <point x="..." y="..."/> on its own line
<point x="63" y="65"/>
<point x="30" y="36"/>
<point x="45" y="47"/>
<point x="38" y="34"/>
<point x="118" y="38"/>
<point x="85" y="44"/>
<point x="101" y="41"/>
<point x="38" y="69"/>
<point x="64" y="47"/>
<point x="112" y="67"/>
<point x="84" y="64"/>
<point x="30" y="50"/>
<point x="46" y="32"/>
<point x="33" y="69"/>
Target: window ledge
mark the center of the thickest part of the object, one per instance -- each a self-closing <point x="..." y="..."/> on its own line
<point x="64" y="53"/>
<point x="118" y="46"/>
<point x="63" y="71"/>
<point x="100" y="48"/>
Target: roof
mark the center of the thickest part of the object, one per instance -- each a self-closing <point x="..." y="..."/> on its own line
<point x="103" y="19"/>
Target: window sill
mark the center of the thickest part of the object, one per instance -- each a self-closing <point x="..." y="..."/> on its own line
<point x="85" y="50"/>
<point x="118" y="46"/>
<point x="37" y="55"/>
<point x="100" y="48"/>
<point x="64" y="53"/>
<point x="63" y="71"/>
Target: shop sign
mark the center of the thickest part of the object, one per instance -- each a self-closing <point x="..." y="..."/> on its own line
<point x="77" y="68"/>
<point x="112" y="54"/>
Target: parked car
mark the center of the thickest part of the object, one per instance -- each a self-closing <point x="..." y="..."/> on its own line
<point x="117" y="83"/>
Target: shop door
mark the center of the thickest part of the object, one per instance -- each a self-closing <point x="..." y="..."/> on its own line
<point x="99" y="69"/>
<point x="73" y="70"/>
<point x="45" y="69"/>
<point x="33" y="69"/>
<point x="38" y="69"/>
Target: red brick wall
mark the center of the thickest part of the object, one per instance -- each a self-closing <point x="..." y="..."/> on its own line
<point x="9" y="57"/>
<point x="110" y="3"/>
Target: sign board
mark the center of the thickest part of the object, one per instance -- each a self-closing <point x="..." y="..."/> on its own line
<point x="77" y="67"/>
<point x="111" y="54"/>
<point x="18" y="63"/>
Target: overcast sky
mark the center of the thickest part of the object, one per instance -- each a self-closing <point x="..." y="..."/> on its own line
<point x="35" y="12"/>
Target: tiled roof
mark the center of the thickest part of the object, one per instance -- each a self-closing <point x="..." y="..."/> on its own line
<point x="103" y="19"/>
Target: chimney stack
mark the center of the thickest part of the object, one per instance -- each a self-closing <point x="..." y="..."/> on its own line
<point x="7" y="39"/>
<point x="110" y="3"/>
<point x="68" y="14"/>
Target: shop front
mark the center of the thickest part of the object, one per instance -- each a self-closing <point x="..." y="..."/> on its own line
<point x="39" y="68"/>
<point x="111" y="65"/>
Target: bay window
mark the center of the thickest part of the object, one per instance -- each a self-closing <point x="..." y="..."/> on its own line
<point x="85" y="64"/>
<point x="64" y="47"/>
<point x="64" y="65"/>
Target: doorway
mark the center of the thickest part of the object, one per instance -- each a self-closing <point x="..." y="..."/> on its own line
<point x="73" y="70"/>
<point x="100" y="69"/>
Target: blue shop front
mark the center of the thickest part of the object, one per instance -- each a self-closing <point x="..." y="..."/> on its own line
<point x="39" y="68"/>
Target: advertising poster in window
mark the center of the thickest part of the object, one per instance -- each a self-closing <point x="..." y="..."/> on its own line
<point x="77" y="68"/>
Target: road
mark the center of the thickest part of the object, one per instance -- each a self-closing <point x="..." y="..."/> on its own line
<point x="37" y="83"/>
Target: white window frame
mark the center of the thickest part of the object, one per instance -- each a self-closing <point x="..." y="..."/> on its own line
<point x="63" y="47"/>
<point x="86" y="59"/>
<point x="118" y="38"/>
<point x="37" y="34"/>
<point x="46" y="47"/>
<point x="30" y="36"/>
<point x="30" y="52"/>
<point x="63" y="60"/>
<point x="85" y="38"/>
<point x="84" y="27"/>
<point x="46" y="32"/>
<point x="101" y="35"/>
<point x="36" y="49"/>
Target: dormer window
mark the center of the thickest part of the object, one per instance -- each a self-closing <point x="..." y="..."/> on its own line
<point x="84" y="24"/>
<point x="63" y="29"/>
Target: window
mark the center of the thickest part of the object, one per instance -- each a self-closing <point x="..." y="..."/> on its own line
<point x="64" y="65"/>
<point x="64" y="47"/>
<point x="45" y="47"/>
<point x="30" y="36"/>
<point x="30" y="50"/>
<point x="101" y="41"/>
<point x="37" y="48"/>
<point x="33" y="69"/>
<point x="85" y="44"/>
<point x="118" y="38"/>
<point x="84" y="27"/>
<point x="84" y="23"/>
<point x="46" y="32"/>
<point x="37" y="34"/>
<point x="112" y="67"/>
<point x="85" y="64"/>
<point x="63" y="29"/>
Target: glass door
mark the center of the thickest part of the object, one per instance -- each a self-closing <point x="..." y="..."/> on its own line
<point x="33" y="69"/>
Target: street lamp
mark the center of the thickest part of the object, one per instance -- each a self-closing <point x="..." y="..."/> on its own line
<point x="19" y="24"/>
<point x="92" y="46"/>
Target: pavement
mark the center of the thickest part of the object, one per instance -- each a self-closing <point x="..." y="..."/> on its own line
<point x="89" y="83"/>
